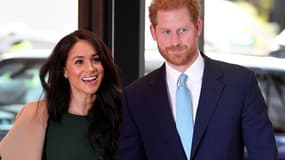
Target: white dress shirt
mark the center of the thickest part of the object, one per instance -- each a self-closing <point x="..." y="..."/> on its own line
<point x="194" y="83"/>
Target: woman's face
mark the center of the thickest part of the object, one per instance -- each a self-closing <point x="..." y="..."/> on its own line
<point x="83" y="69"/>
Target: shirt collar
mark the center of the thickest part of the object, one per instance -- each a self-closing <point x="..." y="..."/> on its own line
<point x="194" y="72"/>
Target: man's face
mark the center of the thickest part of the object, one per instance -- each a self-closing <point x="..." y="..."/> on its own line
<point x="176" y="37"/>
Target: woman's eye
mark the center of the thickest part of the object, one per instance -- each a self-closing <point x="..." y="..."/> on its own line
<point x="96" y="59"/>
<point x="79" y="61"/>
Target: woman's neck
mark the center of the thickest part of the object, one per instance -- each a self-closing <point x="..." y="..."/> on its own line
<point x="80" y="105"/>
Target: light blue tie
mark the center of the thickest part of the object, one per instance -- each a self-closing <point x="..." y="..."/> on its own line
<point x="184" y="121"/>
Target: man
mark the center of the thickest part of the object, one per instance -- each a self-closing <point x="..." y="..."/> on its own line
<point x="226" y="112"/>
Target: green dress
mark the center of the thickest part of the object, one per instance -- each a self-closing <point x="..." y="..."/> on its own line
<point x="68" y="140"/>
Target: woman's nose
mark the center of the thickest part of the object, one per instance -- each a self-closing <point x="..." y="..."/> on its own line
<point x="91" y="67"/>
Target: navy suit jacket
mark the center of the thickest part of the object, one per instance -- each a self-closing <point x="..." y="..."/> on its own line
<point x="231" y="115"/>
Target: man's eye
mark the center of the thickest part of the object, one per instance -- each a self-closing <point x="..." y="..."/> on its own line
<point x="182" y="30"/>
<point x="166" y="32"/>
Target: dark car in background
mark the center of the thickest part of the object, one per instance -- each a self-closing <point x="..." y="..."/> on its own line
<point x="278" y="46"/>
<point x="19" y="83"/>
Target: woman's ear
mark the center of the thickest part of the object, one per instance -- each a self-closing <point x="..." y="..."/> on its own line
<point x="65" y="73"/>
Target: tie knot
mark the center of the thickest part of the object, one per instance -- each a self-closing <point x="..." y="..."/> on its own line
<point x="182" y="79"/>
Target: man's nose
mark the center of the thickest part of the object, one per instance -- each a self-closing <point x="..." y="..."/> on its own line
<point x="175" y="39"/>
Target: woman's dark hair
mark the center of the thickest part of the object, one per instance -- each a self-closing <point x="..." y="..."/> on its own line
<point x="105" y="114"/>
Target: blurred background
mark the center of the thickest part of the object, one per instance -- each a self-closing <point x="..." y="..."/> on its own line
<point x="246" y="32"/>
<point x="35" y="24"/>
<point x="252" y="27"/>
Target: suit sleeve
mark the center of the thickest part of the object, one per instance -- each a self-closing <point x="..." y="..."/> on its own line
<point x="256" y="127"/>
<point x="130" y="144"/>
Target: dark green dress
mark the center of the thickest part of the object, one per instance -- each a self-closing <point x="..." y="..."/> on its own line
<point x="68" y="140"/>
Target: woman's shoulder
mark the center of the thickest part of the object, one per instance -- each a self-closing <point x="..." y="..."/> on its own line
<point x="29" y="128"/>
<point x="33" y="109"/>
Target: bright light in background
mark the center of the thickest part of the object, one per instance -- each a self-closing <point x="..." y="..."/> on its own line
<point x="153" y="59"/>
<point x="41" y="22"/>
<point x="149" y="42"/>
<point x="229" y="28"/>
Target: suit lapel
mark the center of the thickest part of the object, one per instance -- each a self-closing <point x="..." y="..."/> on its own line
<point x="211" y="89"/>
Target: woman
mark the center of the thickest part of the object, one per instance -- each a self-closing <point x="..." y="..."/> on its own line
<point x="80" y="114"/>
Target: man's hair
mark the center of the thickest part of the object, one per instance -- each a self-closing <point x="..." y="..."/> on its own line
<point x="193" y="7"/>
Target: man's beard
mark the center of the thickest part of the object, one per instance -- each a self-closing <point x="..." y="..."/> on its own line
<point x="182" y="58"/>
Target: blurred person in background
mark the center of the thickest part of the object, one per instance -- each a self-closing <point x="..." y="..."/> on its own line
<point x="13" y="42"/>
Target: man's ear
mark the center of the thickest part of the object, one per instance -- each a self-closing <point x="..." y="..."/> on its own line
<point x="199" y="27"/>
<point x="152" y="31"/>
